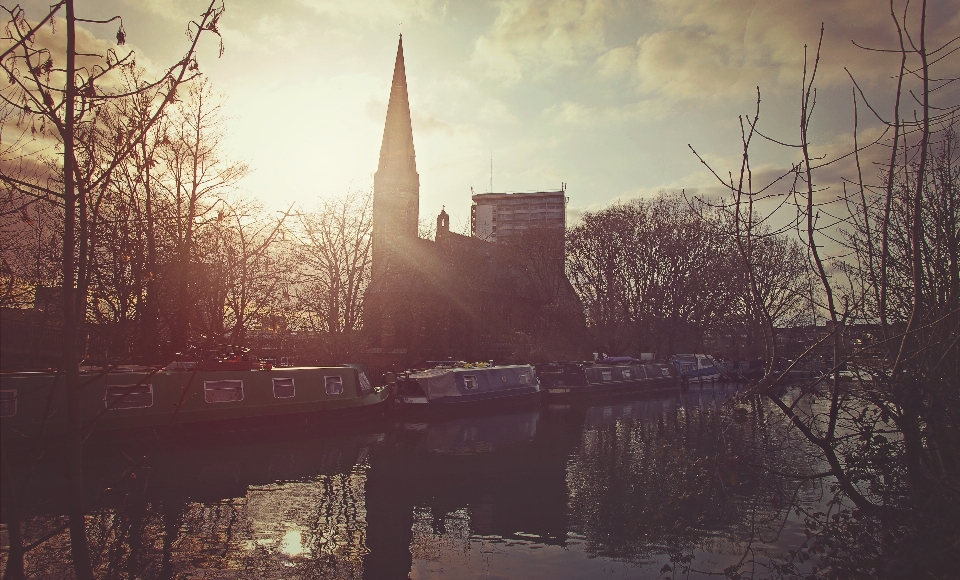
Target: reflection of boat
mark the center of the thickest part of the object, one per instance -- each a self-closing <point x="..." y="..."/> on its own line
<point x="439" y="391"/>
<point x="474" y="434"/>
<point x="146" y="398"/>
<point x="607" y="377"/>
<point x="646" y="410"/>
<point x="696" y="367"/>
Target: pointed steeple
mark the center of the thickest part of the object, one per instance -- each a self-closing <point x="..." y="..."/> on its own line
<point x="396" y="152"/>
<point x="396" y="184"/>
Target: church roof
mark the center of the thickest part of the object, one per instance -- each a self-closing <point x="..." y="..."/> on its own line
<point x="454" y="265"/>
<point x="396" y="152"/>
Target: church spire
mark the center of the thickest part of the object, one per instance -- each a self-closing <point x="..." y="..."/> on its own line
<point x="397" y="155"/>
<point x="396" y="184"/>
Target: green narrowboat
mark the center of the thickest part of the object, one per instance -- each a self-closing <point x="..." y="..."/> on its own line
<point x="35" y="403"/>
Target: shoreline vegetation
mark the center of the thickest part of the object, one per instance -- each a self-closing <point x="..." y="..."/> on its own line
<point x="120" y="216"/>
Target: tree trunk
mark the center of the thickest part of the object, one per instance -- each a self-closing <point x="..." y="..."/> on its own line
<point x="70" y="346"/>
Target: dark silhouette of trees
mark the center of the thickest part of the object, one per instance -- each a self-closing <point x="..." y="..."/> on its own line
<point x="58" y="89"/>
<point x="888" y="439"/>
<point x="334" y="253"/>
<point x="658" y="275"/>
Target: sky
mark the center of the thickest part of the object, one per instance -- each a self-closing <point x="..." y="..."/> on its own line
<point x="602" y="95"/>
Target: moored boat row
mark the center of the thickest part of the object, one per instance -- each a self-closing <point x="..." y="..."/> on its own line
<point x="186" y="395"/>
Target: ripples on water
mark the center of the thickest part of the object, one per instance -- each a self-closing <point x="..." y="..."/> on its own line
<point x="621" y="489"/>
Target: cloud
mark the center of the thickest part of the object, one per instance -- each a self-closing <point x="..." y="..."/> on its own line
<point x="495" y="61"/>
<point x="180" y="11"/>
<point x="706" y="49"/>
<point x="92" y="55"/>
<point x="376" y="110"/>
<point x="425" y="123"/>
<point x="616" y="63"/>
<point x="582" y="115"/>
<point x="541" y="36"/>
<point x="373" y="11"/>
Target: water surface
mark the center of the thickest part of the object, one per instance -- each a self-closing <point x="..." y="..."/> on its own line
<point x="629" y="488"/>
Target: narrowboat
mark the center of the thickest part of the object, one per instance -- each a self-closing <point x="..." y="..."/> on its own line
<point x="611" y="376"/>
<point x="444" y="390"/>
<point x="696" y="367"/>
<point x="181" y="395"/>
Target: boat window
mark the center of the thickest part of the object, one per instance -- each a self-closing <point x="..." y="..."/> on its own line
<point x="365" y="387"/>
<point x="283" y="388"/>
<point x="222" y="391"/>
<point x="626" y="373"/>
<point x="607" y="375"/>
<point x="470" y="382"/>
<point x="128" y="396"/>
<point x="8" y="402"/>
<point x="334" y="385"/>
<point x="524" y="379"/>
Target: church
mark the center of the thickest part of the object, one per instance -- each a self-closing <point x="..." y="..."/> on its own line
<point x="459" y="297"/>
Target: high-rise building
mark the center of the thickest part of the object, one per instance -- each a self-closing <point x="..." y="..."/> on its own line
<point x="498" y="216"/>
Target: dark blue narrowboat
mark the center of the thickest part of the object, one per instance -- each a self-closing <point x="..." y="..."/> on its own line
<point x="620" y="376"/>
<point x="440" y="391"/>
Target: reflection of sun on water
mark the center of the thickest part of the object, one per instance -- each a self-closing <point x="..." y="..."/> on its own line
<point x="292" y="544"/>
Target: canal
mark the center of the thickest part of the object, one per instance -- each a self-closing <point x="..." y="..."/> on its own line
<point x="673" y="486"/>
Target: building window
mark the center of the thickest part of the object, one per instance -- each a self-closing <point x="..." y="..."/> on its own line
<point x="470" y="382"/>
<point x="222" y="391"/>
<point x="334" y="385"/>
<point x="283" y="388"/>
<point x="128" y="396"/>
<point x="8" y="402"/>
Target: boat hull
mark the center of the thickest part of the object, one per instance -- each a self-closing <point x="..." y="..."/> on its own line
<point x="696" y="368"/>
<point x="456" y="391"/>
<point x="586" y="380"/>
<point x="611" y="389"/>
<point x="187" y="400"/>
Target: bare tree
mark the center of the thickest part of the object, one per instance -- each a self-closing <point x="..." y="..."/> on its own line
<point x="61" y="87"/>
<point x="335" y="253"/>
<point x="652" y="274"/>
<point x="244" y="274"/>
<point x="196" y="175"/>
<point x="888" y="440"/>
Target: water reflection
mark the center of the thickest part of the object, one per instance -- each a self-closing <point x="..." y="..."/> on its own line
<point x="623" y="486"/>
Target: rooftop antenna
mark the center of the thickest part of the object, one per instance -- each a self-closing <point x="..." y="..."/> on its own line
<point x="491" y="171"/>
